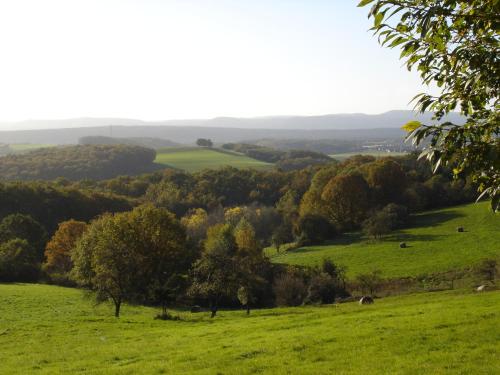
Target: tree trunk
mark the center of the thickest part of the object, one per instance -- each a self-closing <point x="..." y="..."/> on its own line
<point x="248" y="309"/>
<point x="213" y="307"/>
<point x="118" y="303"/>
<point x="214" y="311"/>
<point x="164" y="309"/>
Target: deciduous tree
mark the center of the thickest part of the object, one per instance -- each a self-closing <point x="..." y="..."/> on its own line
<point x="453" y="44"/>
<point x="58" y="249"/>
<point x="132" y="256"/>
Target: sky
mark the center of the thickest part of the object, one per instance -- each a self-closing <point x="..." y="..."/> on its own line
<point x="168" y="59"/>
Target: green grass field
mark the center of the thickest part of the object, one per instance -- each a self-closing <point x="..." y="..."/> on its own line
<point x="195" y="159"/>
<point x="54" y="330"/>
<point x="434" y="245"/>
<point x="377" y="154"/>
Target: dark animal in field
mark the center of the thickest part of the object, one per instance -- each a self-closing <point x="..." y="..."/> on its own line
<point x="366" y="300"/>
<point x="196" y="309"/>
<point x="460" y="229"/>
<point x="402" y="245"/>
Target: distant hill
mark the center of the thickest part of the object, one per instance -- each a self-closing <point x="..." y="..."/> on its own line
<point x="154" y="143"/>
<point x="391" y="119"/>
<point x="221" y="130"/>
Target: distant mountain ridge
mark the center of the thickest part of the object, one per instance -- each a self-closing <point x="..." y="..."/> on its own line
<point x="391" y="119"/>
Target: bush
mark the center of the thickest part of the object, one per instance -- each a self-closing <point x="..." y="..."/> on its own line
<point x="290" y="289"/>
<point x="397" y="214"/>
<point x="370" y="283"/>
<point x="377" y="225"/>
<point x="18" y="226"/>
<point x="322" y="289"/>
<point x="314" y="229"/>
<point x="488" y="270"/>
<point x="18" y="261"/>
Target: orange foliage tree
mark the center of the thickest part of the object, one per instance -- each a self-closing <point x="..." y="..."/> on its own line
<point x="58" y="249"/>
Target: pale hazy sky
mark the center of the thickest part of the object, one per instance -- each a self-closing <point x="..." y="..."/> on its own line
<point x="167" y="59"/>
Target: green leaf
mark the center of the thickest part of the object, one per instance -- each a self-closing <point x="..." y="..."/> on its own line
<point x="378" y="19"/>
<point x="364" y="2"/>
<point x="411" y="126"/>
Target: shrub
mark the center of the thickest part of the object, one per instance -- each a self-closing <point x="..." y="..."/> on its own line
<point x="314" y="229"/>
<point x="377" y="225"/>
<point x="322" y="289"/>
<point x="488" y="270"/>
<point x="19" y="226"/>
<point x="18" y="261"/>
<point x="371" y="282"/>
<point x="397" y="214"/>
<point x="290" y="289"/>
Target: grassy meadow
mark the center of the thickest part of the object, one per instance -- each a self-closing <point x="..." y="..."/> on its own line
<point x="52" y="330"/>
<point x="434" y="245"/>
<point x="195" y="159"/>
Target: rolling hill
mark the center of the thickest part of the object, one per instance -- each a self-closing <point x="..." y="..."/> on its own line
<point x="434" y="245"/>
<point x="221" y="130"/>
<point x="48" y="330"/>
<point x="194" y="159"/>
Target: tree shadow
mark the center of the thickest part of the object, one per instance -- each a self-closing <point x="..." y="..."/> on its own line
<point x="434" y="218"/>
<point x="402" y="237"/>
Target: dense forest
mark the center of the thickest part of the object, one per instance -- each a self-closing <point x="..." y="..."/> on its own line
<point x="78" y="162"/>
<point x="219" y="220"/>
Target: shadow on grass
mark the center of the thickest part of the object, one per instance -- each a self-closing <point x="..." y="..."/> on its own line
<point x="408" y="237"/>
<point x="418" y="221"/>
<point x="434" y="218"/>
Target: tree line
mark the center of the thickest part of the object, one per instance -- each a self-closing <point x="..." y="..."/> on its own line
<point x="284" y="160"/>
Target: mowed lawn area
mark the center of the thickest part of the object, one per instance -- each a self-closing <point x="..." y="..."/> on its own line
<point x="195" y="159"/>
<point x="434" y="245"/>
<point x="54" y="330"/>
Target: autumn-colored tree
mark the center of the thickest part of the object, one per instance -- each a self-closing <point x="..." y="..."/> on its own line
<point x="58" y="249"/>
<point x="244" y="235"/>
<point x="233" y="215"/>
<point x="346" y="200"/>
<point x="311" y="202"/>
<point x="387" y="179"/>
<point x="196" y="224"/>
<point x="251" y="264"/>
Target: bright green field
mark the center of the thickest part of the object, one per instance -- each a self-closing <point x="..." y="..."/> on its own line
<point x="196" y="159"/>
<point x="434" y="245"/>
<point x="377" y="154"/>
<point x="53" y="330"/>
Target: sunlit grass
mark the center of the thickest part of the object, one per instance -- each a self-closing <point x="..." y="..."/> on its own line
<point x="49" y="330"/>
<point x="434" y="245"/>
<point x="196" y="159"/>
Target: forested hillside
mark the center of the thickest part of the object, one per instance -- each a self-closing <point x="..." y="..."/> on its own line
<point x="50" y="203"/>
<point x="78" y="162"/>
<point x="153" y="143"/>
